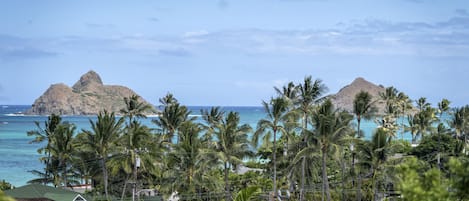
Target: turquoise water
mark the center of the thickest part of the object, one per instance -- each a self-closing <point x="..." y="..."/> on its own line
<point x="18" y="156"/>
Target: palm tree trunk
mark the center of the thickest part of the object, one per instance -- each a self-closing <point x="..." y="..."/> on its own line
<point x="64" y="173"/>
<point x="303" y="161"/>
<point x="227" y="185"/>
<point x="325" y="180"/>
<point x="125" y="186"/>
<point x="373" y="185"/>
<point x="275" y="164"/>
<point x="303" y="167"/>
<point x="359" y="186"/>
<point x="342" y="167"/>
<point x="105" y="176"/>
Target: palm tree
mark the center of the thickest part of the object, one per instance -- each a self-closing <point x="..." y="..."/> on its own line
<point x="290" y="91"/>
<point x="460" y="123"/>
<point x="373" y="154"/>
<point x="103" y="135"/>
<point x="421" y="123"/>
<point x="172" y="117"/>
<point x="187" y="162"/>
<point x="135" y="145"/>
<point x="422" y="104"/>
<point x="390" y="97"/>
<point x="42" y="134"/>
<point x="309" y="94"/>
<point x="135" y="108"/>
<point x="363" y="107"/>
<point x="62" y="150"/>
<point x="231" y="145"/>
<point x="330" y="128"/>
<point x="276" y="111"/>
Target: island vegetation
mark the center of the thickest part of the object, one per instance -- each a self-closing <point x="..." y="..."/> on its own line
<point x="304" y="149"/>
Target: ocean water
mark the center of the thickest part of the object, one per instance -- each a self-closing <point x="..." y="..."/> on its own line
<point x="18" y="156"/>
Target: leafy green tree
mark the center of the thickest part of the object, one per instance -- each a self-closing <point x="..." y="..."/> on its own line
<point x="4" y="185"/>
<point x="417" y="184"/>
<point x="459" y="168"/>
<point x="276" y="111"/>
<point x="330" y="128"/>
<point x="445" y="144"/>
<point x="101" y="139"/>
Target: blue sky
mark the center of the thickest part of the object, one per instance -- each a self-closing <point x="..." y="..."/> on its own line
<point x="227" y="52"/>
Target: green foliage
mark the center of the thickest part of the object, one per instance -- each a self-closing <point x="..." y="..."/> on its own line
<point x="415" y="184"/>
<point x="4" y="197"/>
<point x="4" y="185"/>
<point x="459" y="169"/>
<point x="430" y="146"/>
<point x="248" y="193"/>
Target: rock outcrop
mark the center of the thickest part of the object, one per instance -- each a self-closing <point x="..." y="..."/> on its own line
<point x="344" y="98"/>
<point x="88" y="96"/>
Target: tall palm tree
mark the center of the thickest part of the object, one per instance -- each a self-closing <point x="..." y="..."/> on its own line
<point x="101" y="138"/>
<point x="390" y="97"/>
<point x="187" y="162"/>
<point x="135" y="108"/>
<point x="231" y="145"/>
<point x="373" y="154"/>
<point x="363" y="107"/>
<point x="422" y="104"/>
<point x="134" y="145"/>
<point x="45" y="134"/>
<point x="171" y="118"/>
<point x="62" y="149"/>
<point x="276" y="111"/>
<point x="330" y="128"/>
<point x="309" y="94"/>
<point x="420" y="123"/>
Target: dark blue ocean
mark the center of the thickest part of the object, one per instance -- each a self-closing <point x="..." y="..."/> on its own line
<point x="18" y="156"/>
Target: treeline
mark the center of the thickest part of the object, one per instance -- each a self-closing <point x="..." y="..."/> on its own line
<point x="304" y="149"/>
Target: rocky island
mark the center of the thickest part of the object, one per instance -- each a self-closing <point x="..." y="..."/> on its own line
<point x="344" y="98"/>
<point x="88" y="96"/>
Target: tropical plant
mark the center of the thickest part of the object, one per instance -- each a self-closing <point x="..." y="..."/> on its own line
<point x="171" y="118"/>
<point x="309" y="94"/>
<point x="45" y="134"/>
<point x="135" y="108"/>
<point x="101" y="139"/>
<point x="189" y="164"/>
<point x="276" y="111"/>
<point x="330" y="128"/>
<point x="231" y="145"/>
<point x="62" y="150"/>
<point x="363" y="107"/>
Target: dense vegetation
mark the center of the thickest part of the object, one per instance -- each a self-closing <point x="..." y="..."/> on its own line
<point x="304" y="149"/>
